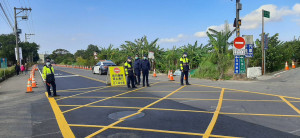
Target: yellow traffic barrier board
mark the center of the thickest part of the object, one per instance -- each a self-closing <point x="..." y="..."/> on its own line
<point x="116" y="75"/>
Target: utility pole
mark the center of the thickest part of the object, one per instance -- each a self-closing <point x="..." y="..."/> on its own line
<point x="263" y="49"/>
<point x="27" y="37"/>
<point x="262" y="45"/>
<point x="238" y="8"/>
<point x="16" y="28"/>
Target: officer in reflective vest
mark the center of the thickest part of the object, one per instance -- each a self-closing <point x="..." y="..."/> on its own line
<point x="184" y="67"/>
<point x="48" y="76"/>
<point x="129" y="72"/>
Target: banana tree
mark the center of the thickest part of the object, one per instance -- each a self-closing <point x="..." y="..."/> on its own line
<point x="219" y="41"/>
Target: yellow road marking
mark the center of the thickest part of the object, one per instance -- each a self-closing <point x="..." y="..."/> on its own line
<point x="215" y="117"/>
<point x="84" y="76"/>
<point x="248" y="91"/>
<point x="105" y="99"/>
<point x="126" y="117"/>
<point x="291" y="105"/>
<point x="150" y="130"/>
<point x="251" y="114"/>
<point x="72" y="90"/>
<point x="192" y="99"/>
<point x="182" y="110"/>
<point x="82" y="93"/>
<point x="61" y="121"/>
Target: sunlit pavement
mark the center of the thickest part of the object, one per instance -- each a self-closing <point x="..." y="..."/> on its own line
<point x="89" y="108"/>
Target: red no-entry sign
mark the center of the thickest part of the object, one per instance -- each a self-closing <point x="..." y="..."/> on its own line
<point x="239" y="42"/>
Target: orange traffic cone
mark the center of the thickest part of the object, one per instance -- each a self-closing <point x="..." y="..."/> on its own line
<point x="90" y="67"/>
<point x="293" y="65"/>
<point x="30" y="77"/>
<point x="29" y="88"/>
<point x="33" y="83"/>
<point x="287" y="66"/>
<point x="171" y="76"/>
<point x="184" y="77"/>
<point x="154" y="73"/>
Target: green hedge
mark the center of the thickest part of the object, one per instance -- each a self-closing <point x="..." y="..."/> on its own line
<point x="10" y="71"/>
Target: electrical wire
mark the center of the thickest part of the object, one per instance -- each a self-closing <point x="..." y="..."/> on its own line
<point x="7" y="19"/>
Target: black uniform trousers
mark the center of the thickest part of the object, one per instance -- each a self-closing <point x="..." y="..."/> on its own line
<point x="145" y="76"/>
<point x="48" y="84"/>
<point x="137" y="79"/>
<point x="186" y="74"/>
<point x="130" y="79"/>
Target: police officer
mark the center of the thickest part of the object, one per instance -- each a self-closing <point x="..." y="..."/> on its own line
<point x="137" y="70"/>
<point x="48" y="76"/>
<point x="145" y="66"/>
<point x="129" y="72"/>
<point x="184" y="67"/>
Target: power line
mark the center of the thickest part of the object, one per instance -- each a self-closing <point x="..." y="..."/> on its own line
<point x="6" y="17"/>
<point x="8" y="9"/>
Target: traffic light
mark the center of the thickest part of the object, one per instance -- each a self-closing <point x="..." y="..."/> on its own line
<point x="239" y="22"/>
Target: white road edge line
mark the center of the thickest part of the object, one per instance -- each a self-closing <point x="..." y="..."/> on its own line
<point x="40" y="73"/>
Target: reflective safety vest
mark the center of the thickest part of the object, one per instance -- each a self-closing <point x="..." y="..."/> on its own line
<point x="47" y="71"/>
<point x="128" y="68"/>
<point x="184" y="64"/>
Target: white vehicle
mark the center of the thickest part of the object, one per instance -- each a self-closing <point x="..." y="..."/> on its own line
<point x="102" y="67"/>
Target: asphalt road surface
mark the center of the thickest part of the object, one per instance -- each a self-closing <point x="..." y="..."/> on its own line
<point x="88" y="107"/>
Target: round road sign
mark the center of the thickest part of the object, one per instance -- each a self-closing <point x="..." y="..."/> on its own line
<point x="239" y="42"/>
<point x="117" y="70"/>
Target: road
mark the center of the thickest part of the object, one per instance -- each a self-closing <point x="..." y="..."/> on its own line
<point x="88" y="107"/>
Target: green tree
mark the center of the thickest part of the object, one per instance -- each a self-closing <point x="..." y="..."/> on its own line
<point x="219" y="41"/>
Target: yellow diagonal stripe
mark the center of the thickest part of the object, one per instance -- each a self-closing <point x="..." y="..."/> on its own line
<point x="61" y="121"/>
<point x="215" y="117"/>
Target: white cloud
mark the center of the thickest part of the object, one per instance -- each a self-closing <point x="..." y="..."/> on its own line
<point x="296" y="9"/>
<point x="180" y="36"/>
<point x="253" y="20"/>
<point x="172" y="40"/>
<point x="218" y="28"/>
<point x="200" y="34"/>
<point x="168" y="40"/>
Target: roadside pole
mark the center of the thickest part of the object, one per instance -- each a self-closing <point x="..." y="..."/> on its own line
<point x="263" y="52"/>
<point x="262" y="45"/>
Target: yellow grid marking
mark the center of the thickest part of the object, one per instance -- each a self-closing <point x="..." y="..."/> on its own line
<point x="105" y="99"/>
<point x="251" y="114"/>
<point x="66" y="90"/>
<point x="215" y="117"/>
<point x="291" y="105"/>
<point x="82" y="93"/>
<point x="247" y="91"/>
<point x="61" y="121"/>
<point x="182" y="110"/>
<point x="192" y="99"/>
<point x="150" y="130"/>
<point x="84" y="76"/>
<point x="126" y="117"/>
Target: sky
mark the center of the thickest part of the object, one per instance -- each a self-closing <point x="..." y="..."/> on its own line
<point x="74" y="24"/>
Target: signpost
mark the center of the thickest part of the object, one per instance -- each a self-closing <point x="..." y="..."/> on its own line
<point x="3" y="63"/>
<point x="249" y="50"/>
<point x="242" y="65"/>
<point x="236" y="64"/>
<point x="267" y="15"/>
<point x="239" y="46"/>
<point x="20" y="54"/>
<point x="117" y="75"/>
<point x="266" y="41"/>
